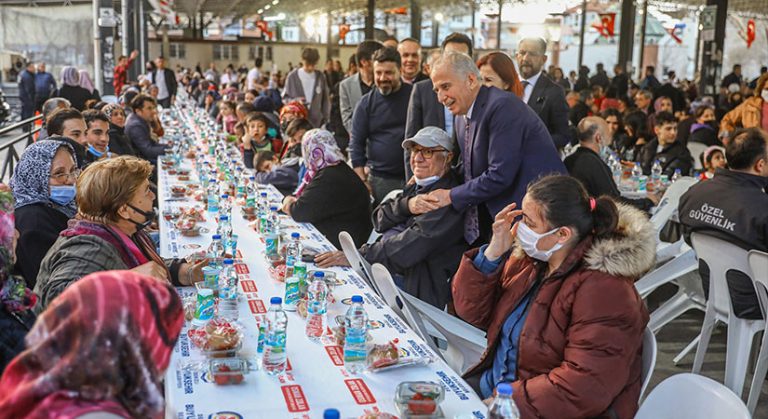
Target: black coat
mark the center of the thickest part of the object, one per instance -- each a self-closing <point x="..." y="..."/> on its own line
<point x="80" y="151"/>
<point x="13" y="328"/>
<point x="674" y="156"/>
<point x="706" y="136"/>
<point x="39" y="226"/>
<point x="336" y="200"/>
<point x="587" y="166"/>
<point x="76" y="95"/>
<point x="548" y="101"/>
<point x="428" y="247"/>
<point x="673" y="93"/>
<point x="119" y="142"/>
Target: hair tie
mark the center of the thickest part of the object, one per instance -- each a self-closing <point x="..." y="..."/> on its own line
<point x="592" y="204"/>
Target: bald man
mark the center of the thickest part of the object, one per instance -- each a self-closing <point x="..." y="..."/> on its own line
<point x="587" y="163"/>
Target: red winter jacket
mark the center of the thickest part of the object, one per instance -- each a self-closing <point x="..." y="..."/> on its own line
<point x="580" y="350"/>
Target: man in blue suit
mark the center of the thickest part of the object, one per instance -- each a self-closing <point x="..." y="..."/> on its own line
<point x="504" y="146"/>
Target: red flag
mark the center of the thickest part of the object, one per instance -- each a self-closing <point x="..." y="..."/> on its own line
<point x="750" y="32"/>
<point x="607" y="25"/>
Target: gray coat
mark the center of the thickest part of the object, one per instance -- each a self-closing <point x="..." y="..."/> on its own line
<point x="320" y="108"/>
<point x="349" y="95"/>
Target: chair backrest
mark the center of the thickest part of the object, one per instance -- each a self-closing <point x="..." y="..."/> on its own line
<point x="361" y="266"/>
<point x="758" y="262"/>
<point x="692" y="396"/>
<point x="696" y="150"/>
<point x="668" y="203"/>
<point x="393" y="193"/>
<point x="393" y="298"/>
<point x="649" y="358"/>
<point x="721" y="257"/>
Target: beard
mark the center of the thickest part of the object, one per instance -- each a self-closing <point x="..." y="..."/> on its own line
<point x="385" y="89"/>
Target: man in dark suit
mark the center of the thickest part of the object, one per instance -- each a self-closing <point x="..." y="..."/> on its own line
<point x="545" y="97"/>
<point x="423" y="109"/>
<point x="500" y="154"/>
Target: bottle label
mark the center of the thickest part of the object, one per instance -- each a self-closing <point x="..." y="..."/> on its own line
<point x="262" y="332"/>
<point x="250" y="202"/>
<point x="292" y="291"/>
<point x="276" y="344"/>
<point x="205" y="307"/>
<point x="271" y="243"/>
<point x="290" y="260"/>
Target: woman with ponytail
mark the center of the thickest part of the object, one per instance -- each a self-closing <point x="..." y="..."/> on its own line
<point x="555" y="292"/>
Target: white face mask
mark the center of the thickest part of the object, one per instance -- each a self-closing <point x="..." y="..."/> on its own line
<point x="764" y="95"/>
<point x="528" y="240"/>
<point x="426" y="181"/>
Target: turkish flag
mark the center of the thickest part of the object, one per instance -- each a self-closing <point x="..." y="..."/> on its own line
<point x="607" y="25"/>
<point x="750" y="32"/>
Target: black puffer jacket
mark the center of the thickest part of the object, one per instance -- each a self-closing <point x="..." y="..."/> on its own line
<point x="673" y="156"/>
<point x="13" y="328"/>
<point x="119" y="142"/>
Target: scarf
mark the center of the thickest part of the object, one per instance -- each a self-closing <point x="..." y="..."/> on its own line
<point x="15" y="297"/>
<point x="294" y="107"/>
<point x="134" y="251"/>
<point x="102" y="345"/>
<point x="31" y="176"/>
<point x="86" y="82"/>
<point x="70" y="76"/>
<point x="320" y="150"/>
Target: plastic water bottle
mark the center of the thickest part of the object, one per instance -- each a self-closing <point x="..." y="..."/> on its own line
<point x="224" y="229"/>
<point x="213" y="197"/>
<point x="636" y="173"/>
<point x="678" y="174"/>
<point x="292" y="296"/>
<point x="242" y="184"/>
<point x="317" y="305"/>
<point x="271" y="232"/>
<point x="503" y="407"/>
<point x="225" y="206"/>
<point x="292" y="254"/>
<point x="275" y="337"/>
<point x="331" y="414"/>
<point x="356" y="326"/>
<point x="215" y="250"/>
<point x="263" y="211"/>
<point x="228" y="281"/>
<point x="203" y="176"/>
<point x="656" y="174"/>
<point x="250" y="193"/>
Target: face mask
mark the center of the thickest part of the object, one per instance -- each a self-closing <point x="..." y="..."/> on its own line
<point x="63" y="194"/>
<point x="97" y="153"/>
<point x="426" y="181"/>
<point x="764" y="95"/>
<point x="528" y="240"/>
<point x="149" y="216"/>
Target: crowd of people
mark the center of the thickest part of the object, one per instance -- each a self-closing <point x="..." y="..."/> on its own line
<point x="485" y="177"/>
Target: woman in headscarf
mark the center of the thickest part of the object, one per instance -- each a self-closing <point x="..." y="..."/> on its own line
<point x="331" y="196"/>
<point x="70" y="89"/>
<point x="114" y="207"/>
<point x="100" y="350"/>
<point x="290" y="111"/>
<point x="87" y="84"/>
<point x="16" y="301"/>
<point x="119" y="143"/>
<point x="43" y="186"/>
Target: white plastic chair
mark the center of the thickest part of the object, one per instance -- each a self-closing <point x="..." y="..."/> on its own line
<point x="361" y="266"/>
<point x="691" y="396"/>
<point x="394" y="299"/>
<point x="758" y="262"/>
<point x="696" y="149"/>
<point x="722" y="257"/>
<point x="649" y="358"/>
<point x="465" y="343"/>
<point x="109" y="99"/>
<point x="374" y="234"/>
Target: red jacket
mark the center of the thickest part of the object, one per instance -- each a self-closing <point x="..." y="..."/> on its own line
<point x="580" y="350"/>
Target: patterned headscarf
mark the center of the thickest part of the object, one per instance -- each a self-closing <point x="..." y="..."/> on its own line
<point x="102" y="345"/>
<point x="14" y="295"/>
<point x="30" y="179"/>
<point x="70" y="76"/>
<point x="111" y="108"/>
<point x="294" y="107"/>
<point x="320" y="150"/>
<point x="85" y="81"/>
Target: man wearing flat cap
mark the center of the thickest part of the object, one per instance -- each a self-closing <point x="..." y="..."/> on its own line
<point x="421" y="251"/>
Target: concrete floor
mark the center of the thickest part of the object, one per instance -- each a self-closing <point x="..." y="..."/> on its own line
<point x="673" y="337"/>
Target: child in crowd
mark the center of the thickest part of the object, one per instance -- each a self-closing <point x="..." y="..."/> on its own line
<point x="257" y="139"/>
<point x="269" y="170"/>
<point x="227" y="117"/>
<point x="294" y="133"/>
<point x="713" y="158"/>
<point x="665" y="148"/>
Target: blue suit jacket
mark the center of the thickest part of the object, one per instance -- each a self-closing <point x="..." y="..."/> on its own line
<point x="510" y="148"/>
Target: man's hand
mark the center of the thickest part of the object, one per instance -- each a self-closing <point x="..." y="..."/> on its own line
<point x="443" y="197"/>
<point x="189" y="273"/>
<point x="364" y="177"/>
<point x="328" y="259"/>
<point x="287" y="202"/>
<point x="654" y="197"/>
<point x="152" y="269"/>
<point x="503" y="232"/>
<point x="134" y="54"/>
<point x="421" y="204"/>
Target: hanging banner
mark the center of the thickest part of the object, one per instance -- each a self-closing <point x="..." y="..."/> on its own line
<point x="750" y="32"/>
<point x="607" y="25"/>
<point x="676" y="32"/>
<point x="165" y="9"/>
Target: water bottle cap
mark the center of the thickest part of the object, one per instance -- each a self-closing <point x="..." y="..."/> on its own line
<point x="225" y="196"/>
<point x="678" y="171"/>
<point x="357" y="298"/>
<point x="273" y="208"/>
<point x="263" y="194"/>
<point x="217" y="236"/>
<point x="504" y="388"/>
<point x="319" y="274"/>
<point x="228" y="261"/>
<point x="276" y="300"/>
<point x="251" y="177"/>
<point x="331" y="414"/>
<point x="224" y="217"/>
<point x="295" y="235"/>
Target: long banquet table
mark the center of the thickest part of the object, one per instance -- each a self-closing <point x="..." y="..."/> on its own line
<point x="316" y="378"/>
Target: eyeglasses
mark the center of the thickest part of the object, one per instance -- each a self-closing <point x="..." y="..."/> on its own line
<point x="427" y="153"/>
<point x="63" y="177"/>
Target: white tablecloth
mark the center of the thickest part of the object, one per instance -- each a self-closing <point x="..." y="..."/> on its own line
<point x="316" y="379"/>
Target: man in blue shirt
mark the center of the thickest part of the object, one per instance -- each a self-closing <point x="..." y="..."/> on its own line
<point x="378" y="127"/>
<point x="45" y="84"/>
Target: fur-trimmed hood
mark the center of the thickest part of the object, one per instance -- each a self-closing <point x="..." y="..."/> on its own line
<point x="630" y="252"/>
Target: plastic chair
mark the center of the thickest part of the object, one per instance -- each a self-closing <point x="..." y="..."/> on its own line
<point x="691" y="396"/>
<point x="758" y="262"/>
<point x="465" y="343"/>
<point x="696" y="149"/>
<point x="394" y="299"/>
<point x="722" y="257"/>
<point x="361" y="266"/>
<point x="649" y="358"/>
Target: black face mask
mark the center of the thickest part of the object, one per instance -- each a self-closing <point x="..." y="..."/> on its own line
<point x="149" y="216"/>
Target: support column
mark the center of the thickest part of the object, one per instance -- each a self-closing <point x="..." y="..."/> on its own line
<point x="143" y="38"/>
<point x="370" y="19"/>
<point x="328" y="34"/>
<point x="643" y="27"/>
<point x="626" y="35"/>
<point x="473" y="10"/>
<point x="712" y="50"/>
<point x="97" y="74"/>
<point x="581" y="34"/>
<point x="415" y="20"/>
<point x="498" y="25"/>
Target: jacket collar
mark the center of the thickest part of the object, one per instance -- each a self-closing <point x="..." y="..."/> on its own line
<point x="742" y="178"/>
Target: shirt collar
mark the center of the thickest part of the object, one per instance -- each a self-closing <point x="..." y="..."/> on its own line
<point x="532" y="81"/>
<point x="469" y="112"/>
